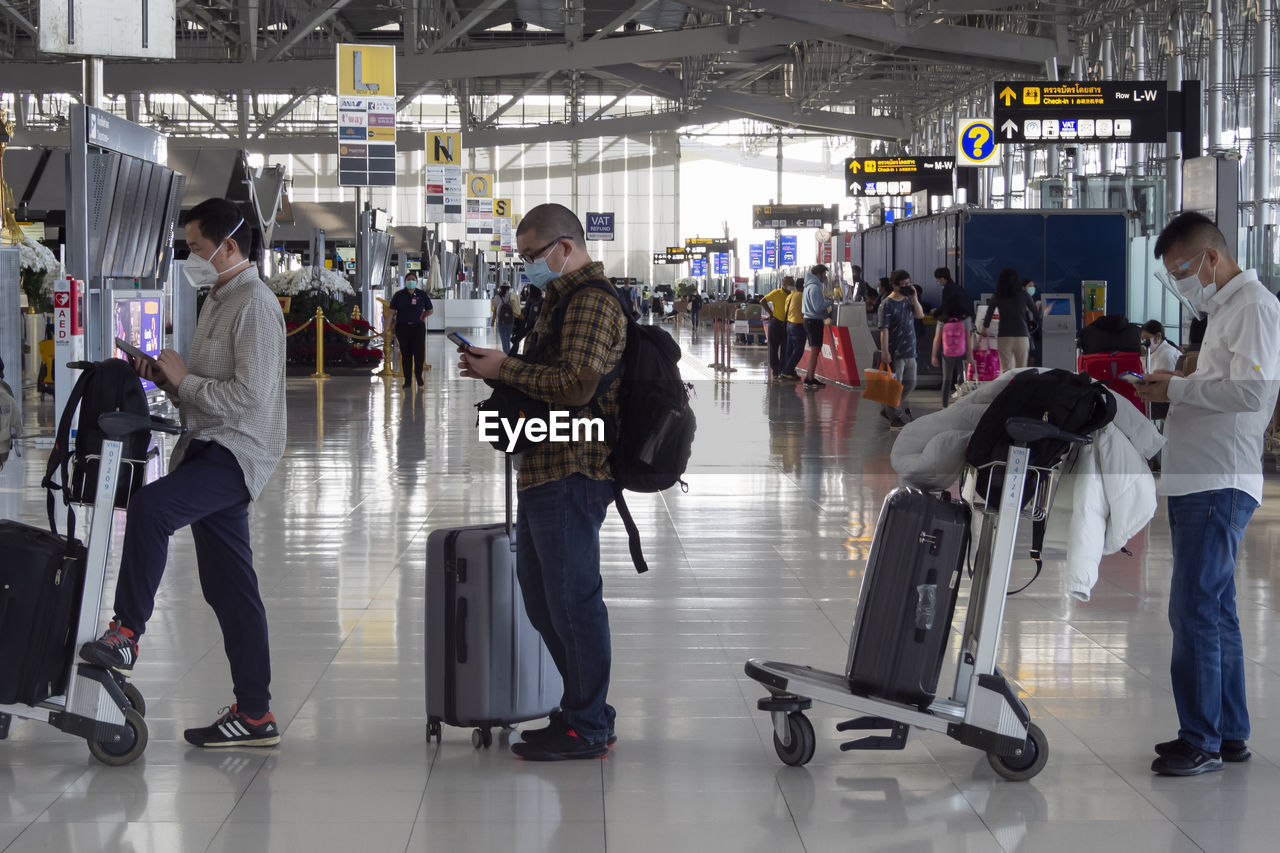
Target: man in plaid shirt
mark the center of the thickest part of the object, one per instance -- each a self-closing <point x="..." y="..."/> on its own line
<point x="565" y="487"/>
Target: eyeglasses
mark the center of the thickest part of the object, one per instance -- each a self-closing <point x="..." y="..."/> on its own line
<point x="1179" y="271"/>
<point x="529" y="258"/>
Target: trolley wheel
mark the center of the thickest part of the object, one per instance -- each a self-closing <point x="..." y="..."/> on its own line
<point x="434" y="730"/>
<point x="1019" y="768"/>
<point x="134" y="695"/>
<point x="482" y="738"/>
<point x="802" y="739"/>
<point x="5" y="720"/>
<point x="129" y="748"/>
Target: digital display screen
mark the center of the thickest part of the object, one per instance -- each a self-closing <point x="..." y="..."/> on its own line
<point x="1058" y="307"/>
<point x="137" y="319"/>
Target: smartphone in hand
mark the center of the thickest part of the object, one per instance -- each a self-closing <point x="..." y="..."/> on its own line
<point x="1132" y="378"/>
<point x="461" y="342"/>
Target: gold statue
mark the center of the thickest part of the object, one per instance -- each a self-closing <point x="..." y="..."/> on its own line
<point x="10" y="232"/>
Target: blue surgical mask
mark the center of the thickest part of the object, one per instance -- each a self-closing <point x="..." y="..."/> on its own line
<point x="539" y="273"/>
<point x="1031" y="291"/>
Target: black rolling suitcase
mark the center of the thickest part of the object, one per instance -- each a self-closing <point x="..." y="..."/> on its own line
<point x="40" y="583"/>
<point x="486" y="665"/>
<point x="908" y="597"/>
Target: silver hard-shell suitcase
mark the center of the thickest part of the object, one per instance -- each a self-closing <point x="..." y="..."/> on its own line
<point x="486" y="665"/>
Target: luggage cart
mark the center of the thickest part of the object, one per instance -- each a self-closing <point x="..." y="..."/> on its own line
<point x="983" y="710"/>
<point x="99" y="705"/>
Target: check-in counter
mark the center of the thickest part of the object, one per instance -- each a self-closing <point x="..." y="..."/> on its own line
<point x="459" y="314"/>
<point x="847" y="346"/>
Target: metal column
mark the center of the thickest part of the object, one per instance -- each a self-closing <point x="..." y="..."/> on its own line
<point x="1173" y="143"/>
<point x="1107" y="150"/>
<point x="1052" y="167"/>
<point x="1262" y="127"/>
<point x="779" y="201"/>
<point x="1216" y="91"/>
<point x="1138" y="151"/>
<point x="91" y="82"/>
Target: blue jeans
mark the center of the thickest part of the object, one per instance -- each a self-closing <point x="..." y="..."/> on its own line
<point x="1207" y="667"/>
<point x="504" y="336"/>
<point x="904" y="370"/>
<point x="795" y="348"/>
<point x="558" y="564"/>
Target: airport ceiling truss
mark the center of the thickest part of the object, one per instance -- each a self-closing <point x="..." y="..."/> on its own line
<point x="262" y="70"/>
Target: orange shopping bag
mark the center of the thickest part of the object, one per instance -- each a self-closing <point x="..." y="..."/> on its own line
<point x="880" y="386"/>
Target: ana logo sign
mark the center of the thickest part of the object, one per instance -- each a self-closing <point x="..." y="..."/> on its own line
<point x="599" y="226"/>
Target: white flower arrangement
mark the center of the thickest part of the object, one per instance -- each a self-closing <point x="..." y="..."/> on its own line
<point x="38" y="263"/>
<point x="304" y="280"/>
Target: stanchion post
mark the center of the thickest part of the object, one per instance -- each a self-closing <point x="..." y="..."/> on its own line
<point x="388" y="370"/>
<point x="319" y="374"/>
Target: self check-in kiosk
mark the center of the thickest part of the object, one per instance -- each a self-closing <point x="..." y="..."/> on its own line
<point x="1059" y="336"/>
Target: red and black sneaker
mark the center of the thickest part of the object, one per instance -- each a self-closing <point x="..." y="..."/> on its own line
<point x="559" y="744"/>
<point x="233" y="728"/>
<point x="116" y="649"/>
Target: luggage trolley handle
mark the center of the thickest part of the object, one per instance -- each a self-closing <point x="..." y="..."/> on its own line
<point x="508" y="487"/>
<point x="1023" y="431"/>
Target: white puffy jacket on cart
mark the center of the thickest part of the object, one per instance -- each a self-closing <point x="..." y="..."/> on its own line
<point x="1105" y="499"/>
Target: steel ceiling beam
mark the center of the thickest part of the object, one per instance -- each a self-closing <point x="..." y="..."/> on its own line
<point x="17" y="17"/>
<point x="277" y="116"/>
<point x="620" y="20"/>
<point x="516" y="98"/>
<point x="960" y="43"/>
<point x="301" y="31"/>
<point x="455" y="32"/>
<point x="219" y="125"/>
<point x="47" y="77"/>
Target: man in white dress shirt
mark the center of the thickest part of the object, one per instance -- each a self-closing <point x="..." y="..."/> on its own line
<point x="1213" y="479"/>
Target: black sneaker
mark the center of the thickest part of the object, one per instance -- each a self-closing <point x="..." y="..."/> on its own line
<point x="897" y="424"/>
<point x="814" y="384"/>
<point x="561" y="745"/>
<point x="1233" y="751"/>
<point x="116" y="649"/>
<point x="556" y="725"/>
<point x="1183" y="758"/>
<point x="233" y="728"/>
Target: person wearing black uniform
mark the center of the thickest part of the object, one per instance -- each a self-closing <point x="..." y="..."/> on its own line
<point x="410" y="309"/>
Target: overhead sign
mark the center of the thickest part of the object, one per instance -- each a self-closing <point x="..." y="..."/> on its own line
<point x="720" y="264"/>
<point x="599" y="226"/>
<point x="503" y="233"/>
<point x="1089" y="111"/>
<point x="480" y="225"/>
<point x="788" y="248"/>
<point x="898" y="176"/>
<point x="976" y="143"/>
<point x="756" y="256"/>
<point x="444" y="177"/>
<point x="674" y="255"/>
<point x="770" y="254"/>
<point x="792" y="215"/>
<point x="699" y="269"/>
<point x="108" y="28"/>
<point x="366" y="115"/>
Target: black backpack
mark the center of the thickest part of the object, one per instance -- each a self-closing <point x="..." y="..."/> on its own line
<point x="652" y="438"/>
<point x="1111" y="333"/>
<point x="1073" y="402"/>
<point x="506" y="314"/>
<point x="105" y="386"/>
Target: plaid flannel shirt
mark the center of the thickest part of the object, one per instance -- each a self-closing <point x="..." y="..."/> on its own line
<point x="567" y="373"/>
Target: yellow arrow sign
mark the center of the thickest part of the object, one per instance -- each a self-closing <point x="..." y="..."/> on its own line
<point x="1008" y="95"/>
<point x="855" y="166"/>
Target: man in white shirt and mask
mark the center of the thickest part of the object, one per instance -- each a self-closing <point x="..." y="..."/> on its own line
<point x="1213" y="479"/>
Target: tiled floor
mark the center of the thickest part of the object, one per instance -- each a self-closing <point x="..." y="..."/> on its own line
<point x="762" y="557"/>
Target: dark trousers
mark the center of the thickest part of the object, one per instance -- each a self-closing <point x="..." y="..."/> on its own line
<point x="777" y="332"/>
<point x="206" y="491"/>
<point x="796" y="339"/>
<point x="558" y="564"/>
<point x="413" y="347"/>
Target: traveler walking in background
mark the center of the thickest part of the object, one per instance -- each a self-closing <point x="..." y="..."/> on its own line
<point x="1017" y="313"/>
<point x="815" y="306"/>
<point x="951" y="336"/>
<point x="898" y="313"/>
<point x="506" y="308"/>
<point x="695" y="308"/>
<point x="774" y="304"/>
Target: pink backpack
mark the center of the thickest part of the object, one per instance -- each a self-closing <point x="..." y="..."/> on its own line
<point x="953" y="339"/>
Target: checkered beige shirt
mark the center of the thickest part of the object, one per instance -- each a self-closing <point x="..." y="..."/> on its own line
<point x="234" y="392"/>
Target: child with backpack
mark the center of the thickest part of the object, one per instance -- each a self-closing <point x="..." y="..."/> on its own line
<point x="951" y="340"/>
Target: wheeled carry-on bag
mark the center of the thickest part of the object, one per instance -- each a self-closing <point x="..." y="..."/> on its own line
<point x="40" y="581"/>
<point x="486" y="665"/>
<point x="908" y="597"/>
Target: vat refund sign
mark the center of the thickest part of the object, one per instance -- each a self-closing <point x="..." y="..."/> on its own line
<point x="600" y="226"/>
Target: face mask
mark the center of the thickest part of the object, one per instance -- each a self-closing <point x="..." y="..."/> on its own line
<point x="1031" y="291"/>
<point x="411" y="283"/>
<point x="1191" y="292"/>
<point x="1146" y="343"/>
<point x="201" y="272"/>
<point x="540" y="274"/>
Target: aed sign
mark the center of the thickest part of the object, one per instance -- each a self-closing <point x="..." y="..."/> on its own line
<point x="976" y="143"/>
<point x="599" y="226"/>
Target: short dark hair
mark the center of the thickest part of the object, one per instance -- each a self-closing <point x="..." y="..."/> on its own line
<point x="857" y="270"/>
<point x="788" y="281"/>
<point x="217" y="218"/>
<point x="1192" y="230"/>
<point x="549" y="221"/>
<point x="942" y="272"/>
<point x="1008" y="283"/>
<point x="899" y="276"/>
<point x="1153" y="327"/>
<point x="1027" y="281"/>
<point x="819" y="270"/>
